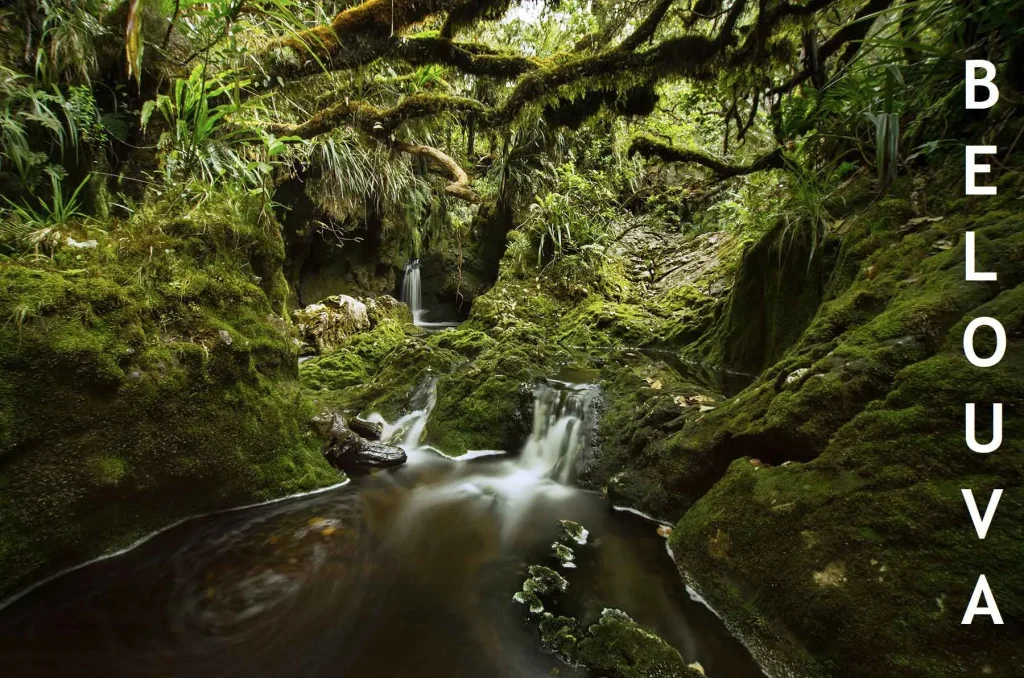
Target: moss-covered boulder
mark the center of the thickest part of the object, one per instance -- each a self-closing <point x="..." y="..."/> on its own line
<point x="486" y="404"/>
<point x="143" y="380"/>
<point x="618" y="647"/>
<point x="819" y="510"/>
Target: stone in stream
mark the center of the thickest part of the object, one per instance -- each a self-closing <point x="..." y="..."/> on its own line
<point x="573" y="531"/>
<point x="370" y="430"/>
<point x="345" y="449"/>
<point x="350" y="451"/>
<point x="564" y="555"/>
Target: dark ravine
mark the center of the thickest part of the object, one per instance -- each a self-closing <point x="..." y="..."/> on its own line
<point x="456" y="338"/>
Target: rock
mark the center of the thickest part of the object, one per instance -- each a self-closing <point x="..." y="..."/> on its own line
<point x="370" y="430"/>
<point x="225" y="336"/>
<point x="617" y="647"/>
<point x="346" y="450"/>
<point x="558" y="635"/>
<point x="328" y="425"/>
<point x="384" y="307"/>
<point x="81" y="245"/>
<point x="573" y="531"/>
<point x="349" y="451"/>
<point x="564" y="555"/>
<point x="530" y="600"/>
<point x="544" y="581"/>
<point x="326" y="324"/>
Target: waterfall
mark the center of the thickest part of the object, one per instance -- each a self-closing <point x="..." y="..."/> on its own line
<point x="562" y="418"/>
<point x="411" y="291"/>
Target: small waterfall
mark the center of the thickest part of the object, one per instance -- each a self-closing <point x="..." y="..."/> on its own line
<point x="412" y="293"/>
<point x="562" y="419"/>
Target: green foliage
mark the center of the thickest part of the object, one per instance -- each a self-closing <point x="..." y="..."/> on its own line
<point x="44" y="224"/>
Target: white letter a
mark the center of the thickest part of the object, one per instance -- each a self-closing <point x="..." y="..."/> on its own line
<point x="982" y="524"/>
<point x="990" y="608"/>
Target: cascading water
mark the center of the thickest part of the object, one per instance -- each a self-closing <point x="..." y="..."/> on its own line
<point x="323" y="585"/>
<point x="412" y="293"/>
<point x="561" y="422"/>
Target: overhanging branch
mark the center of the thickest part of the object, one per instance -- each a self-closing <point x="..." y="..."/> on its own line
<point x="459" y="186"/>
<point x="649" y="148"/>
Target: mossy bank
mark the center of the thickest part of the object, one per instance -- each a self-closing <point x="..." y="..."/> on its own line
<point x="146" y="376"/>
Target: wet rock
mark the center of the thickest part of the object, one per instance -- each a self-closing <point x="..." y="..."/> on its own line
<point x="530" y="600"/>
<point x="349" y="451"/>
<point x="346" y="450"/>
<point x="328" y="425"/>
<point x="574" y="531"/>
<point x="617" y="647"/>
<point x="545" y="581"/>
<point x="564" y="554"/>
<point x="558" y="635"/>
<point x="370" y="430"/>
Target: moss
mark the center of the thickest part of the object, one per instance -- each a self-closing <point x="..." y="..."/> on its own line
<point x="143" y="381"/>
<point x="355" y="361"/>
<point x="867" y="526"/>
<point x="486" y="404"/>
<point x="618" y="647"/>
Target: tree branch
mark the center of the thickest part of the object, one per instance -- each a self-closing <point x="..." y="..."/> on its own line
<point x="373" y="121"/>
<point x="459" y="187"/>
<point x="645" y="31"/>
<point x="649" y="148"/>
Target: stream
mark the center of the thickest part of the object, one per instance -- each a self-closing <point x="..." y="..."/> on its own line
<point x="402" y="573"/>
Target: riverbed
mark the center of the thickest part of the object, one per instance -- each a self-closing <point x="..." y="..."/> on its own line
<point x="400" y="573"/>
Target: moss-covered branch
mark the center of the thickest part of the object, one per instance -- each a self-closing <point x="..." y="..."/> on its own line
<point x="377" y="122"/>
<point x="466" y="57"/>
<point x="468" y="12"/>
<point x="459" y="186"/>
<point x="650" y="148"/>
<point x="645" y="31"/>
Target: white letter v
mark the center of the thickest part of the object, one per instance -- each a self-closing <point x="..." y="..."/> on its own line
<point x="982" y="524"/>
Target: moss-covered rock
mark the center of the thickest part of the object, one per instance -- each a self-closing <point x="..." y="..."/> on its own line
<point x="820" y="508"/>
<point x="618" y="647"/>
<point x="144" y="380"/>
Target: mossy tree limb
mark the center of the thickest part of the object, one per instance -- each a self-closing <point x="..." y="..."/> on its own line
<point x="650" y="148"/>
<point x="459" y="187"/>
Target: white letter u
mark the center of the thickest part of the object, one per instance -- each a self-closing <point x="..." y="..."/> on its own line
<point x="997" y="430"/>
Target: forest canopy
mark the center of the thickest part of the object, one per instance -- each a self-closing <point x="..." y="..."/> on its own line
<point x="395" y="106"/>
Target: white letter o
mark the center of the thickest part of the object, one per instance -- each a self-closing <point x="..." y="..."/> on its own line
<point x="969" y="342"/>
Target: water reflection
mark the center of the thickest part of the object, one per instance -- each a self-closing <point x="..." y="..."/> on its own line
<point x="408" y="572"/>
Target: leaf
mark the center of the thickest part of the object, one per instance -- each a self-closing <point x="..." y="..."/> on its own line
<point x="147" y="112"/>
<point x="133" y="40"/>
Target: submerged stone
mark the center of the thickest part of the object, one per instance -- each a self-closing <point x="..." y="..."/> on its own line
<point x="530" y="600"/>
<point x="564" y="554"/>
<point x="574" y="531"/>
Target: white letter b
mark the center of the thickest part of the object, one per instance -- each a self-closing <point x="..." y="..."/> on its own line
<point x="973" y="81"/>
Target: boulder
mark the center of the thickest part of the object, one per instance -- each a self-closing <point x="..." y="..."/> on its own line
<point x="326" y="324"/>
<point x="384" y="307"/>
<point x="371" y="430"/>
<point x="350" y="451"/>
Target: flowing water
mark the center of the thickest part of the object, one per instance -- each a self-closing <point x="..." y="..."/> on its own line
<point x="412" y="293"/>
<point x="404" y="573"/>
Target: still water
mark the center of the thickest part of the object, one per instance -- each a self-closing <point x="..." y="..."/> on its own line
<point x="404" y="573"/>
